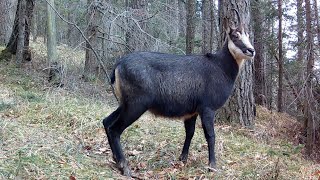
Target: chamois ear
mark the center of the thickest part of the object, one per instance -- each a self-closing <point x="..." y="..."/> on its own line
<point x="226" y="25"/>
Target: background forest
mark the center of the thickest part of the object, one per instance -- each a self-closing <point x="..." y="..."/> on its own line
<point x="55" y="61"/>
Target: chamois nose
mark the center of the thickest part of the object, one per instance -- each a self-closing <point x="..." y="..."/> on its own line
<point x="250" y="51"/>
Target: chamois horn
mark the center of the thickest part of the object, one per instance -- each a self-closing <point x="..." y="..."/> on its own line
<point x="238" y="16"/>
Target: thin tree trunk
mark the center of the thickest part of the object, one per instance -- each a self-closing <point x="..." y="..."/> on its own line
<point x="214" y="41"/>
<point x="191" y="14"/>
<point x="308" y="102"/>
<point x="91" y="66"/>
<point x="206" y="26"/>
<point x="280" y="62"/>
<point x="35" y="25"/>
<point x="21" y="32"/>
<point x="270" y="65"/>
<point x="240" y="106"/>
<point x="51" y="34"/>
<point x="182" y="18"/>
<point x="173" y="11"/>
<point x="259" y="61"/>
<point x="300" y="58"/>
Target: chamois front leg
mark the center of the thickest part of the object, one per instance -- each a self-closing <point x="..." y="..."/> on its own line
<point x="207" y="119"/>
<point x="189" y="125"/>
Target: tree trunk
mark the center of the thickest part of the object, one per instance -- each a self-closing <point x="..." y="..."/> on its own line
<point x="316" y="16"/>
<point x="259" y="61"/>
<point x="51" y="34"/>
<point x="215" y="33"/>
<point x="12" y="44"/>
<point x="190" y="32"/>
<point x="300" y="62"/>
<point x="308" y="102"/>
<point x="182" y="18"/>
<point x="173" y="11"/>
<point x="240" y="106"/>
<point x="4" y="21"/>
<point x="221" y="15"/>
<point x="207" y="25"/>
<point x="35" y="24"/>
<point x="270" y="64"/>
<point x="91" y="66"/>
<point x="139" y="12"/>
<point x="21" y="32"/>
<point x="280" y="62"/>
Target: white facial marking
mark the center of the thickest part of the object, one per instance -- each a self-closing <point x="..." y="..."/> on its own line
<point x="245" y="40"/>
<point x="236" y="52"/>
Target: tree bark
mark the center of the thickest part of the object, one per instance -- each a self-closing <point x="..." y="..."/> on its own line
<point x="139" y="12"/>
<point x="35" y="24"/>
<point x="182" y="18"/>
<point x="21" y="32"/>
<point x="207" y="26"/>
<point x="270" y="47"/>
<point x="280" y="62"/>
<point x="308" y="102"/>
<point x="300" y="55"/>
<point x="240" y="106"/>
<point x="5" y="21"/>
<point x="91" y="67"/>
<point x="13" y="41"/>
<point x="190" y="32"/>
<point x="51" y="34"/>
<point x="316" y="16"/>
<point x="259" y="61"/>
<point x="173" y="11"/>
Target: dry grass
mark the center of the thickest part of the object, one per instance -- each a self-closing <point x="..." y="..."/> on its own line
<point x="54" y="133"/>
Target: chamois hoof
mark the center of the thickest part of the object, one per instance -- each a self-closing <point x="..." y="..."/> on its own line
<point x="212" y="167"/>
<point x="124" y="168"/>
<point x="183" y="158"/>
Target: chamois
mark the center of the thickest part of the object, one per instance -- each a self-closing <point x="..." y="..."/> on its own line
<point x="176" y="86"/>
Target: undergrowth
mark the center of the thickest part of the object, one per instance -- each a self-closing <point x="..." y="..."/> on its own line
<point x="56" y="133"/>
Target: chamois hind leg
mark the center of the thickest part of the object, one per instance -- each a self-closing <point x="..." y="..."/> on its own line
<point x="207" y="120"/>
<point x="189" y="125"/>
<point x="108" y="121"/>
<point x="130" y="113"/>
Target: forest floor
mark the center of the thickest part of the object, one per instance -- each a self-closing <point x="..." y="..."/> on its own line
<point x="56" y="133"/>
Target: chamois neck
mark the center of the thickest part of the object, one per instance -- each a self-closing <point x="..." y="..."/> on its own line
<point x="227" y="62"/>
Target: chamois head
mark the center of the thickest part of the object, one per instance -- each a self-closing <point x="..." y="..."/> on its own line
<point x="238" y="42"/>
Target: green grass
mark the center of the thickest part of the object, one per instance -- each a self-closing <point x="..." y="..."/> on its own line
<point x="56" y="133"/>
<point x="5" y="106"/>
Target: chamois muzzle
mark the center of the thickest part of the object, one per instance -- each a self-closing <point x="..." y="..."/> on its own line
<point x="249" y="52"/>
